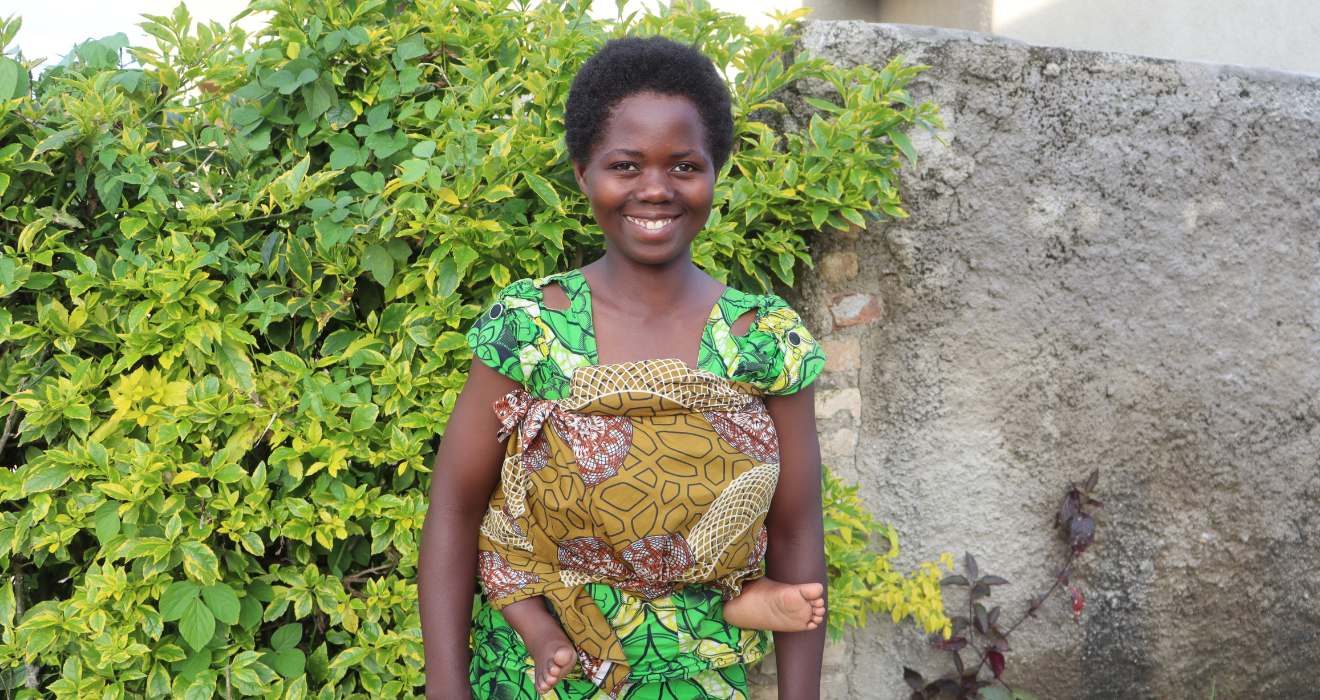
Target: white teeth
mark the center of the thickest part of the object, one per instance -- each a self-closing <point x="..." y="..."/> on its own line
<point x="649" y="224"/>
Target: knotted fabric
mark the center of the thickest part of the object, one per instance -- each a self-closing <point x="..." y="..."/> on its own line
<point x="648" y="477"/>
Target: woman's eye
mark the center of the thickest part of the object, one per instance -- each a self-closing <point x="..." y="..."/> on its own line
<point x="685" y="168"/>
<point x="624" y="166"/>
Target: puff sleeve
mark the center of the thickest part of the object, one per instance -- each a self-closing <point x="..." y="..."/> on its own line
<point x="505" y="328"/>
<point x="778" y="354"/>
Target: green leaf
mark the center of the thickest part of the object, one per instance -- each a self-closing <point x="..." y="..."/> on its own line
<point x="822" y="104"/>
<point x="446" y="279"/>
<point x="496" y="193"/>
<point x="223" y="603"/>
<point x="318" y="664"/>
<point x="199" y="561"/>
<point x="177" y="598"/>
<point x="413" y="170"/>
<point x="286" y="637"/>
<point x="261" y="591"/>
<point x="249" y="616"/>
<point x="9" y="80"/>
<point x="424" y="149"/>
<point x="46" y="478"/>
<point x="366" y="181"/>
<point x="198" y="662"/>
<point x="290" y="663"/>
<point x="197" y="625"/>
<point x="234" y="365"/>
<point x="320" y="97"/>
<point x="228" y="474"/>
<point x="169" y="653"/>
<point x="544" y="190"/>
<point x="53" y="141"/>
<point x="7" y="605"/>
<point x="300" y="263"/>
<point x="901" y="140"/>
<point x="107" y="521"/>
<point x="364" y="417"/>
<point x="379" y="262"/>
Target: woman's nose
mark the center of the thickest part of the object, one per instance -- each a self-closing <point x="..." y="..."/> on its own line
<point x="655" y="187"/>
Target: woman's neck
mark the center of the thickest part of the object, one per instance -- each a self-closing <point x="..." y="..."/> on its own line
<point x="648" y="290"/>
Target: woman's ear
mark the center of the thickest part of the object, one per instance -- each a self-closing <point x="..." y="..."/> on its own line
<point x="580" y="173"/>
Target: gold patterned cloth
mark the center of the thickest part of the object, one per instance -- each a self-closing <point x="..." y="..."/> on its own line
<point x="648" y="476"/>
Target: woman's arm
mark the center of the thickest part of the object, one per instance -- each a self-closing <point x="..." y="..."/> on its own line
<point x="796" y="529"/>
<point x="467" y="468"/>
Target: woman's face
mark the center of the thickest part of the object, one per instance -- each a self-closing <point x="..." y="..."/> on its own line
<point x="650" y="178"/>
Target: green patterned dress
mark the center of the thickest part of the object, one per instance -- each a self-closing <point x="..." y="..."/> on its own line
<point x="678" y="646"/>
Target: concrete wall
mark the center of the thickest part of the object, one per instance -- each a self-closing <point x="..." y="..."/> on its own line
<point x="1278" y="34"/>
<point x="1114" y="263"/>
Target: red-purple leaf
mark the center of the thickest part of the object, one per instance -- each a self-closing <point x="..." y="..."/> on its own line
<point x="993" y="580"/>
<point x="953" y="580"/>
<point x="1078" y="603"/>
<point x="971" y="566"/>
<point x="992" y="617"/>
<point x="1082" y="532"/>
<point x="996" y="661"/>
<point x="912" y="678"/>
<point x="1067" y="510"/>
<point x="1092" y="480"/>
<point x="980" y="590"/>
<point x="951" y="644"/>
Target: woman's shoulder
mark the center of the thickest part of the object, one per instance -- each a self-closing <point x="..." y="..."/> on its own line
<point x="513" y="335"/>
<point x="777" y="353"/>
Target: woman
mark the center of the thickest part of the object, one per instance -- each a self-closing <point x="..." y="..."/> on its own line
<point x="660" y="438"/>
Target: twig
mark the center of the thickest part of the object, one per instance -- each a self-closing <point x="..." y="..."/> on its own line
<point x="19" y="608"/>
<point x="9" y="424"/>
<point x="1058" y="580"/>
<point x="227" y="683"/>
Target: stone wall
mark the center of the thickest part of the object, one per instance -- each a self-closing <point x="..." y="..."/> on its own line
<point x="1114" y="263"/>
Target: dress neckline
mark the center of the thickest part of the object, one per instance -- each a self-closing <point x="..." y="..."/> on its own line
<point x="579" y="301"/>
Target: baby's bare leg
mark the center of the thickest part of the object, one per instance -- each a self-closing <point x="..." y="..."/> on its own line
<point x="777" y="607"/>
<point x="545" y="641"/>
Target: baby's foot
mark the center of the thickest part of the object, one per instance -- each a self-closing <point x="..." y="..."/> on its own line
<point x="553" y="654"/>
<point x="777" y="607"/>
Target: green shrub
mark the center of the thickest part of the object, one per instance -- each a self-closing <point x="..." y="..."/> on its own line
<point x="861" y="581"/>
<point x="234" y="276"/>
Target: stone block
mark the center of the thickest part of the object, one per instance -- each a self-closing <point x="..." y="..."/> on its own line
<point x="854" y="309"/>
<point x="842" y="355"/>
<point x="837" y="267"/>
<point x="832" y="401"/>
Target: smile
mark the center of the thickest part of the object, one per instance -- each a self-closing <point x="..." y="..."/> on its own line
<point x="650" y="224"/>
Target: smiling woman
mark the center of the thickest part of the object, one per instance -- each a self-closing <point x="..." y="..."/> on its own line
<point x="656" y="458"/>
<point x="651" y="177"/>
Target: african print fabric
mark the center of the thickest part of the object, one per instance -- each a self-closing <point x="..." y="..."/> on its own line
<point x="524" y="340"/>
<point x="632" y="496"/>
<point x="680" y="645"/>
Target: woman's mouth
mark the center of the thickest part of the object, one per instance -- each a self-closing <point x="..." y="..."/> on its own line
<point x="651" y="224"/>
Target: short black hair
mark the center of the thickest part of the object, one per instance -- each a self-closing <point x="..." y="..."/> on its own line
<point x="632" y="65"/>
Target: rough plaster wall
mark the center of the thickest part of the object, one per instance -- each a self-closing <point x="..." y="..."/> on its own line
<point x="1112" y="264"/>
